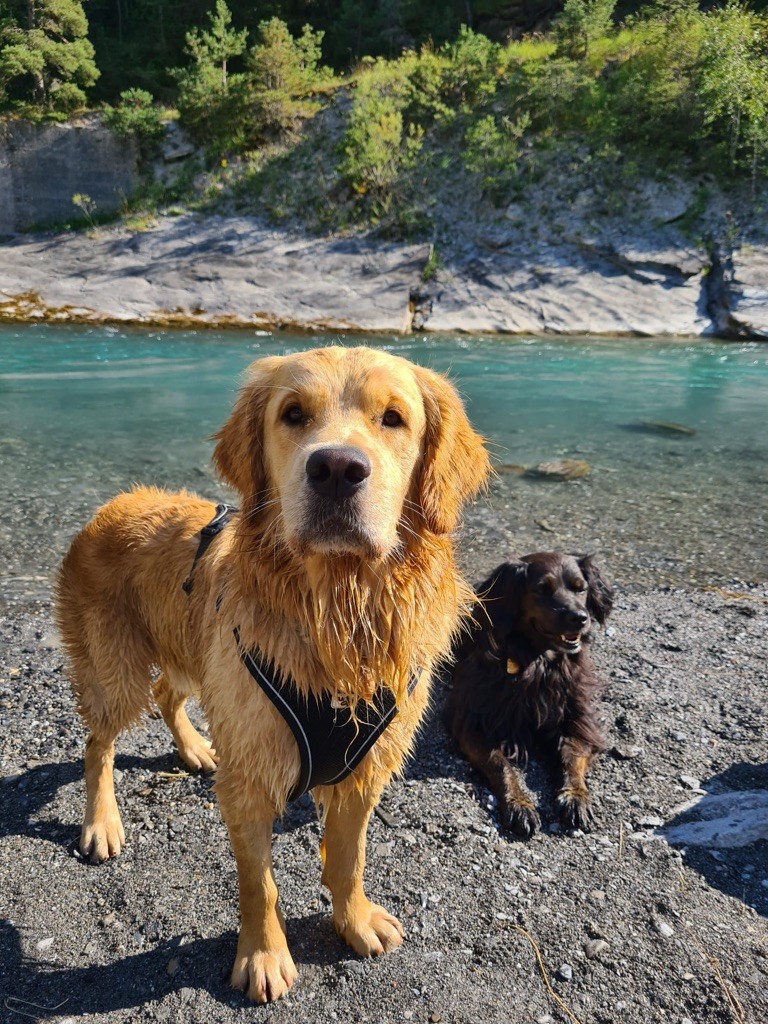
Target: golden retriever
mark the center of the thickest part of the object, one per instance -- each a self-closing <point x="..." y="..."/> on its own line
<point x="352" y="466"/>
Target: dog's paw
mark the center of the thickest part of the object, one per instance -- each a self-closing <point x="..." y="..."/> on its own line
<point x="102" y="838"/>
<point x="576" y="810"/>
<point x="198" y="754"/>
<point x="371" y="930"/>
<point x="263" y="976"/>
<point x="522" y="819"/>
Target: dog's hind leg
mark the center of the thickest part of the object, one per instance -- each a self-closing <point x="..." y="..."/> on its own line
<point x="102" y="834"/>
<point x="573" y="800"/>
<point x="110" y="670"/>
<point x="194" y="750"/>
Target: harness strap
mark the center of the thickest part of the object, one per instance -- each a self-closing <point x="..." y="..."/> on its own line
<point x="223" y="514"/>
<point x="331" y="741"/>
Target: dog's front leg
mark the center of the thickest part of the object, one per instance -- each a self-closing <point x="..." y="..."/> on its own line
<point x="368" y="928"/>
<point x="263" y="968"/>
<point x="573" y="799"/>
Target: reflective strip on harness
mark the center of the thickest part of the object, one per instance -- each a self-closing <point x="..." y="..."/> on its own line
<point x="331" y="743"/>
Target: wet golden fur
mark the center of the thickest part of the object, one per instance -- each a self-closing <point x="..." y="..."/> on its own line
<point x="339" y="608"/>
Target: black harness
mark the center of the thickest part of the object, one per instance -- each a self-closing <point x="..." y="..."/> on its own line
<point x="223" y="514"/>
<point x="331" y="740"/>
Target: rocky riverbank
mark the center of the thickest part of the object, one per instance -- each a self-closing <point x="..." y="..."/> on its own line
<point x="496" y="277"/>
<point x="629" y="926"/>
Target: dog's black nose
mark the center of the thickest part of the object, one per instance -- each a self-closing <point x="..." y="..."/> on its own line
<point x="337" y="472"/>
<point x="579" y="619"/>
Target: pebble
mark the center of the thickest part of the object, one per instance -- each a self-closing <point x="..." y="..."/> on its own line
<point x="680" y="737"/>
<point x="564" y="972"/>
<point x="44" y="944"/>
<point x="665" y="929"/>
<point x="627" y="753"/>
<point x="650" y="821"/>
<point x="595" y="948"/>
<point x="354" y="966"/>
<point x="597" y="894"/>
<point x="690" y="781"/>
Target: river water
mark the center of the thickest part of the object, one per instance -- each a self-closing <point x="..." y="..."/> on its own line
<point x="85" y="412"/>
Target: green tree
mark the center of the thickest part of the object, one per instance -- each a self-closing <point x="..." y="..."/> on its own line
<point x="733" y="80"/>
<point x="217" y="46"/>
<point x="211" y="100"/>
<point x="283" y="70"/>
<point x="46" y="54"/>
<point x="579" y="24"/>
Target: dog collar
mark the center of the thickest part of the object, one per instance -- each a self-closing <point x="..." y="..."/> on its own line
<point x="331" y="741"/>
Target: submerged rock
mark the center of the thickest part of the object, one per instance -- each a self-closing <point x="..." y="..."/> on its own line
<point x="559" y="469"/>
<point x="664" y="427"/>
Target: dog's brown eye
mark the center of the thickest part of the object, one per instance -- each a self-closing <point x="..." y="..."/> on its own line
<point x="392" y="418"/>
<point x="293" y="415"/>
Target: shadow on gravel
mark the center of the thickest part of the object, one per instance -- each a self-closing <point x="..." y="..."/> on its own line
<point x="44" y="991"/>
<point x="725" y="833"/>
<point x="28" y="794"/>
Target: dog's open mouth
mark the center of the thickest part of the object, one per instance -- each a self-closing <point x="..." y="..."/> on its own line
<point x="572" y="641"/>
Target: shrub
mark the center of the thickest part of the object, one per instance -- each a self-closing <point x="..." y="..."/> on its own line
<point x="379" y="144"/>
<point x="136" y="115"/>
<point x="492" y="151"/>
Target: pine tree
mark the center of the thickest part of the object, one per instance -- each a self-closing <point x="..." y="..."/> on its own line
<point x="46" y="54"/>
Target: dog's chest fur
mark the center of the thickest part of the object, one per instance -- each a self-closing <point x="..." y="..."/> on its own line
<point x="526" y="697"/>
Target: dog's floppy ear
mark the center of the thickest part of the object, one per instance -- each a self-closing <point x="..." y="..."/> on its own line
<point x="238" y="455"/>
<point x="503" y="592"/>
<point x="496" y="611"/>
<point x="455" y="464"/>
<point x="599" y="592"/>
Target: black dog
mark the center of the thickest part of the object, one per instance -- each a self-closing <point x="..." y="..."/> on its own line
<point x="524" y="678"/>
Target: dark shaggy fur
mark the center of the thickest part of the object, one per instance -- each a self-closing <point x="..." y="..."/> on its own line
<point x="523" y="679"/>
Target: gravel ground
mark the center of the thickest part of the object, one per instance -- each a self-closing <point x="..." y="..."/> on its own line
<point x="627" y="927"/>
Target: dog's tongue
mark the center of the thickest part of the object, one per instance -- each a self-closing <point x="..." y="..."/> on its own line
<point x="571" y="637"/>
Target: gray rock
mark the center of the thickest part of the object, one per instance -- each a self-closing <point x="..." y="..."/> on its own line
<point x="230" y="271"/>
<point x="176" y="145"/>
<point x="42" y="166"/>
<point x="690" y="781"/>
<point x="595" y="948"/>
<point x="564" y="972"/>
<point x="650" y="821"/>
<point x="747" y="290"/>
